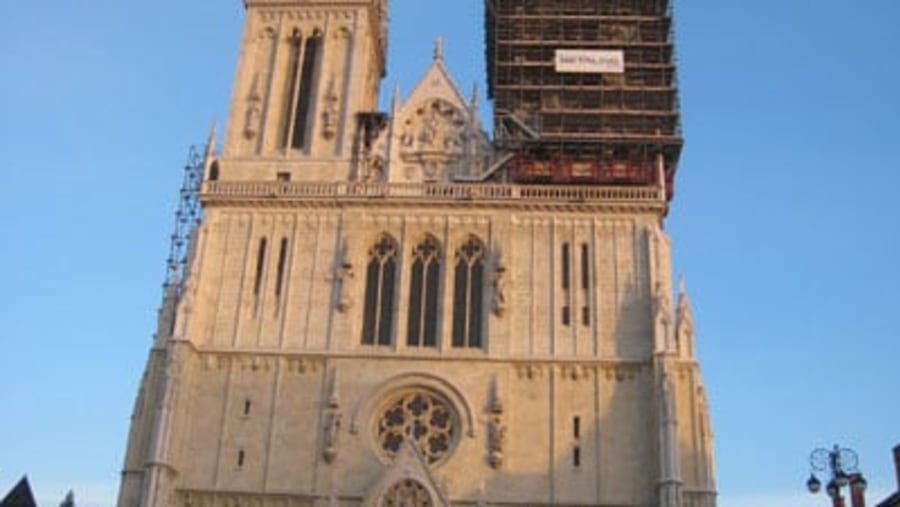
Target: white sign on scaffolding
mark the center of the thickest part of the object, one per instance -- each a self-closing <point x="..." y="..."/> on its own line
<point x="590" y="61"/>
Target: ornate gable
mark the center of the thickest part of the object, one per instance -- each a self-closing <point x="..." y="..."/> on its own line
<point x="432" y="136"/>
<point x="406" y="482"/>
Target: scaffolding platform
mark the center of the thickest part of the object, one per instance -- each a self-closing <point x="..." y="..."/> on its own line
<point x="584" y="91"/>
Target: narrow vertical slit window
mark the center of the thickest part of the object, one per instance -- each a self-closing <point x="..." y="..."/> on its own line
<point x="576" y="427"/>
<point x="423" y="294"/>
<point x="576" y="456"/>
<point x="468" y="295"/>
<point x="282" y="261"/>
<point x="566" y="275"/>
<point x="585" y="284"/>
<point x="290" y="92"/>
<point x="378" y="309"/>
<point x="311" y="53"/>
<point x="240" y="458"/>
<point x="247" y="405"/>
<point x="260" y="266"/>
<point x="585" y="267"/>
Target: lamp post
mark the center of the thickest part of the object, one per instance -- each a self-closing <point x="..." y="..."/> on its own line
<point x="838" y="467"/>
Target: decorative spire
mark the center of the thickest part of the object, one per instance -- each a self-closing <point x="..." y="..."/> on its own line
<point x="395" y="100"/>
<point x="684" y="325"/>
<point x="474" y="101"/>
<point x="211" y="140"/>
<point x="684" y="302"/>
<point x="439" y="49"/>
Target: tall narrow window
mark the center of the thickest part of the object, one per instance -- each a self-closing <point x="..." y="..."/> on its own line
<point x="306" y="90"/>
<point x="468" y="295"/>
<point x="260" y="266"/>
<point x="585" y="284"/>
<point x="566" y="275"/>
<point x="282" y="261"/>
<point x="576" y="427"/>
<point x="293" y="80"/>
<point x="378" y="312"/>
<point x="423" y="294"/>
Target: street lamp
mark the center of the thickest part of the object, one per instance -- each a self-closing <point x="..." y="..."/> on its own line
<point x="839" y="467"/>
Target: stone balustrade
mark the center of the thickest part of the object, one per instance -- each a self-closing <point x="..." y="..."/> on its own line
<point x="253" y="190"/>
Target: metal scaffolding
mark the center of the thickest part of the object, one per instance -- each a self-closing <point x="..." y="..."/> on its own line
<point x="595" y="125"/>
<point x="187" y="217"/>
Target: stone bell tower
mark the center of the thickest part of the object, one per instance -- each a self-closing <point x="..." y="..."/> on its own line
<point x="306" y="71"/>
<point x="389" y="309"/>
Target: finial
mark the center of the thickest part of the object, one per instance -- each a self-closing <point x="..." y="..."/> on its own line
<point x="682" y="288"/>
<point x="395" y="100"/>
<point x="439" y="49"/>
<point x="474" y="102"/>
<point x="211" y="140"/>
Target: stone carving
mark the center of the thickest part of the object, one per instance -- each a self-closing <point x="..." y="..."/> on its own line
<point x="343" y="273"/>
<point x="662" y="305"/>
<point x="254" y="109"/>
<point x="496" y="430"/>
<point x="330" y="112"/>
<point x="498" y="284"/>
<point x="332" y="421"/>
<point x="332" y="427"/>
<point x="373" y="169"/>
<point x="435" y="131"/>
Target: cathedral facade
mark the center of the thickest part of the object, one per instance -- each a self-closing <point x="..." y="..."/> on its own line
<point x="392" y="309"/>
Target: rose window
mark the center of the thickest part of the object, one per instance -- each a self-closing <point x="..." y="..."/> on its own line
<point x="407" y="493"/>
<point x="425" y="418"/>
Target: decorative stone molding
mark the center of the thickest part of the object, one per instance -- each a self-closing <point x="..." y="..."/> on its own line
<point x="368" y="401"/>
<point x="577" y="372"/>
<point x="258" y="363"/>
<point x="197" y="498"/>
<point x="530" y="371"/>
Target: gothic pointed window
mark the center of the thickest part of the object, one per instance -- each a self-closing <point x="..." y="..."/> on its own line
<point x="468" y="294"/>
<point x="424" y="286"/>
<point x="381" y="277"/>
<point x="407" y="493"/>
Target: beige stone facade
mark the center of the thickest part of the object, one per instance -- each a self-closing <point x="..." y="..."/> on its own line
<point x="527" y="349"/>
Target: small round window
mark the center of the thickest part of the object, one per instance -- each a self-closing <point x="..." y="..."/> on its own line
<point x="426" y="418"/>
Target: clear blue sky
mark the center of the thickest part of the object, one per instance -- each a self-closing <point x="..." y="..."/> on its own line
<point x="785" y="220"/>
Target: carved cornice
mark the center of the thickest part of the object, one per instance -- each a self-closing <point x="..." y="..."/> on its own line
<point x="576" y="371"/>
<point x="304" y="361"/>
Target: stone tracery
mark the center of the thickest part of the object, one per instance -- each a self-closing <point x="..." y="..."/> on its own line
<point x="421" y="416"/>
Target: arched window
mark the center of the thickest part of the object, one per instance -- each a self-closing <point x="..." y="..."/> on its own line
<point x="423" y="294"/>
<point x="381" y="277"/>
<point x="468" y="294"/>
